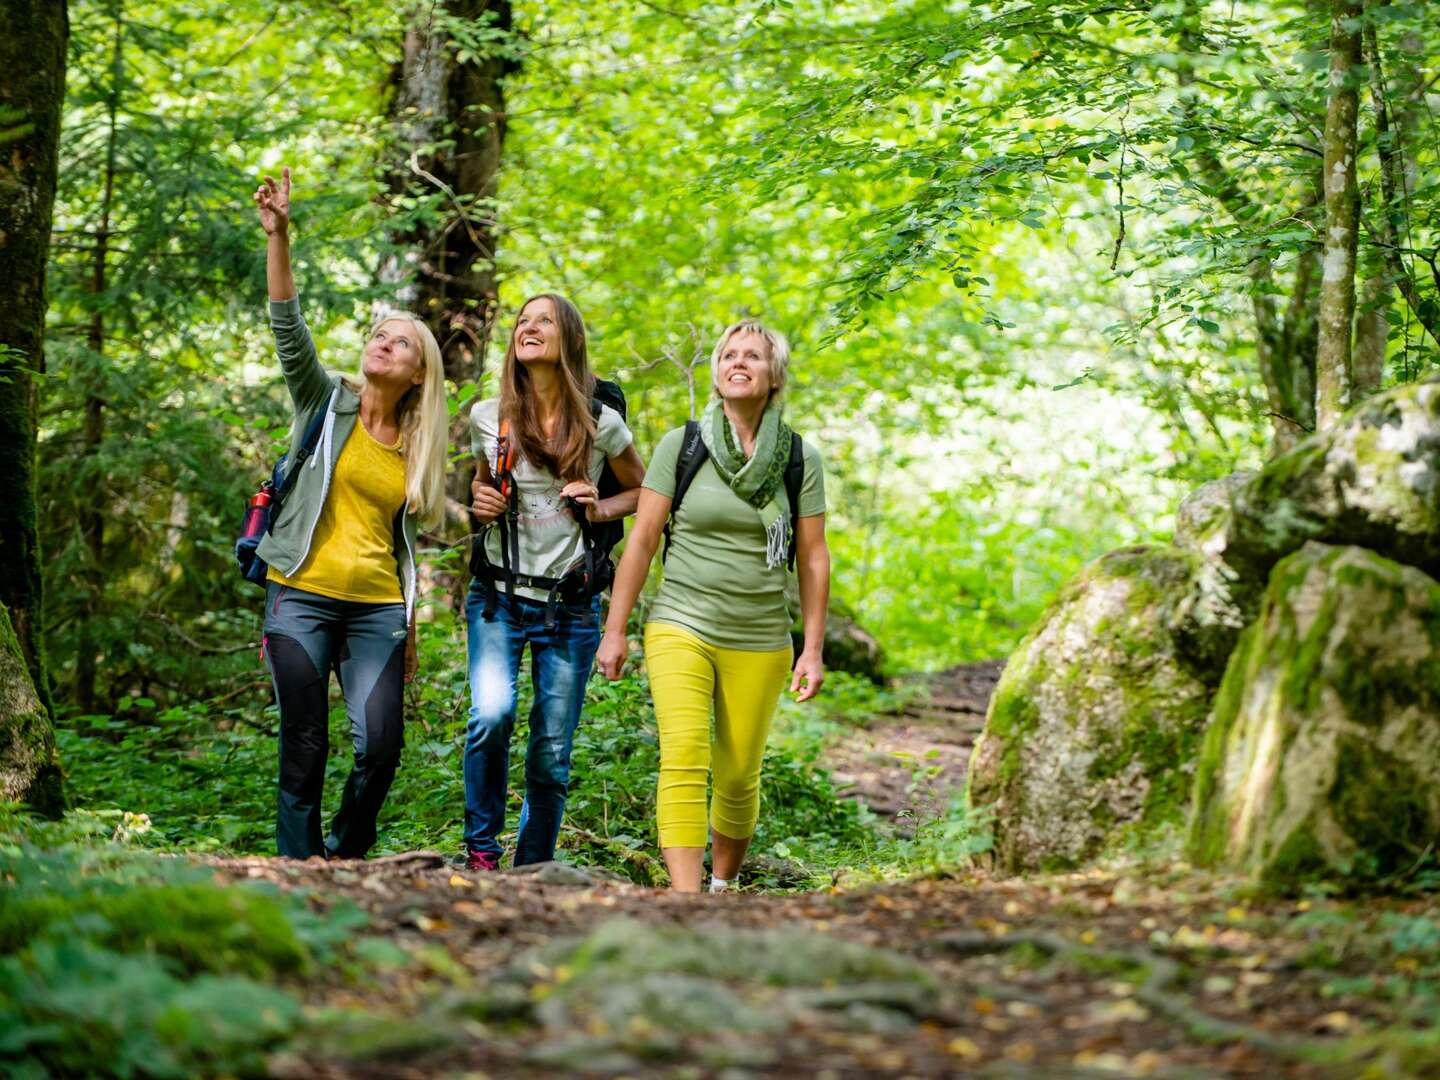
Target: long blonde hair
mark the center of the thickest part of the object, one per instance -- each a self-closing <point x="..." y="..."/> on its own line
<point x="566" y="454"/>
<point x="424" y="424"/>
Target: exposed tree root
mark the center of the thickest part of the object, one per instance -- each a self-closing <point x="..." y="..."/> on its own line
<point x="1156" y="991"/>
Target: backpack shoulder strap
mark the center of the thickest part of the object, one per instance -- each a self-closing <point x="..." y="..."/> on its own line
<point x="303" y="453"/>
<point x="794" y="480"/>
<point x="692" y="456"/>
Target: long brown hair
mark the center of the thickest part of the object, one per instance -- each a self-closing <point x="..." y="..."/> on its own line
<point x="567" y="452"/>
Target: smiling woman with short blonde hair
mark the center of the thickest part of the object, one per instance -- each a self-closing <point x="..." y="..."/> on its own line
<point x="743" y="496"/>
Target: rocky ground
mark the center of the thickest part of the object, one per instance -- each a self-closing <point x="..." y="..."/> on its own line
<point x="1116" y="972"/>
<point x="1095" y="974"/>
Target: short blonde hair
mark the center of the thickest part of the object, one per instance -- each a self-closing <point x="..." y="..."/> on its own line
<point x="776" y="345"/>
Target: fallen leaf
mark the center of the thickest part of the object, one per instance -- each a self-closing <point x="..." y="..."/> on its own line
<point x="964" y="1048"/>
<point x="1335" y="1021"/>
<point x="1021" y="1051"/>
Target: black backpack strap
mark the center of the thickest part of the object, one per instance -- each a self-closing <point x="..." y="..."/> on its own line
<point x="692" y="456"/>
<point x="508" y="525"/>
<point x="794" y="480"/>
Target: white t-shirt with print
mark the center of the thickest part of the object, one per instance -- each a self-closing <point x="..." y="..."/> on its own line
<point x="550" y="539"/>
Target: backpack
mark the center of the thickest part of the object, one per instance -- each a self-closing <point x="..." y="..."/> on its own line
<point x="264" y="506"/>
<point x="693" y="455"/>
<point x="587" y="579"/>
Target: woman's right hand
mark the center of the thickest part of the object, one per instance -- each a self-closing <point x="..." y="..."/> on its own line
<point x="611" y="656"/>
<point x="486" y="503"/>
<point x="273" y="202"/>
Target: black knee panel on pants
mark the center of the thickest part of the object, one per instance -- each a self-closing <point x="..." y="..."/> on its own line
<point x="303" y="697"/>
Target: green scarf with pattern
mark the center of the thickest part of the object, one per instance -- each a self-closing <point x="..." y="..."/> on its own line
<point x="758" y="480"/>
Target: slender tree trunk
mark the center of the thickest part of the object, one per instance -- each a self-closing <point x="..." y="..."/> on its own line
<point x="1334" y="376"/>
<point x="1285" y="355"/>
<point x="1372" y="333"/>
<point x="1393" y="142"/>
<point x="32" y="88"/>
<point x="91" y="516"/>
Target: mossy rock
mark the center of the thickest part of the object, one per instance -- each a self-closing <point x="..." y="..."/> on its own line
<point x="1225" y="597"/>
<point x="1207" y="509"/>
<point x="1319" y="761"/>
<point x="1372" y="480"/>
<point x="848" y="646"/>
<point x="1097" y="716"/>
<point x="632" y="991"/>
<point x="29" y="761"/>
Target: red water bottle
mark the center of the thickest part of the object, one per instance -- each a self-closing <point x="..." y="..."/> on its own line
<point x="257" y="513"/>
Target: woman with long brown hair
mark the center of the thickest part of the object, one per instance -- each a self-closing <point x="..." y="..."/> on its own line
<point x="540" y="449"/>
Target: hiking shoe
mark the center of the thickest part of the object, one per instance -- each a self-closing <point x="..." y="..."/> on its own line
<point x="482" y="860"/>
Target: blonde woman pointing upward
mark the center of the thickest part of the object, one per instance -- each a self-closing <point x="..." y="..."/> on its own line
<point x="341" y="551"/>
<point x="744" y="497"/>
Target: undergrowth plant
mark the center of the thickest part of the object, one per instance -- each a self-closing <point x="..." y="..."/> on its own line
<point x="116" y="962"/>
<point x="204" y="775"/>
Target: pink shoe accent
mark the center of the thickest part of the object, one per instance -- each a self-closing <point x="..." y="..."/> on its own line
<point x="481" y="860"/>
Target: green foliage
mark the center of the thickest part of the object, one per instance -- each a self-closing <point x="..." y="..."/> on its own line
<point x="206" y="779"/>
<point x="121" y="964"/>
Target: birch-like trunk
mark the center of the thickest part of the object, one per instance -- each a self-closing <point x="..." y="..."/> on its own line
<point x="1334" y="376"/>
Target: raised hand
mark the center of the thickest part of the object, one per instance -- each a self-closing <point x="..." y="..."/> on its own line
<point x="273" y="202"/>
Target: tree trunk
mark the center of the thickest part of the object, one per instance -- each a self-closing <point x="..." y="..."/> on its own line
<point x="1372" y="332"/>
<point x="451" y="119"/>
<point x="450" y="116"/>
<point x="32" y="87"/>
<point x="90" y="514"/>
<point x="1394" y="145"/>
<point x="1333" y="364"/>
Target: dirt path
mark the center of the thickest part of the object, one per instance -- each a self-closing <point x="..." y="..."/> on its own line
<point x="1109" y="974"/>
<point x="906" y="766"/>
<point x="1134" y="973"/>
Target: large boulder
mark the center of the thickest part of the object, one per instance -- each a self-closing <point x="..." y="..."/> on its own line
<point x="1372" y="480"/>
<point x="1320" y="758"/>
<point x="1091" y="727"/>
<point x="1224" y="596"/>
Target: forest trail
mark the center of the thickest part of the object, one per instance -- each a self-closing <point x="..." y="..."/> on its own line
<point x="1086" y="975"/>
<point x="1098" y="974"/>
<point x="907" y="766"/>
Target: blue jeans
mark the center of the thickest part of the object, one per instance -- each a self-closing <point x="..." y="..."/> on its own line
<point x="560" y="662"/>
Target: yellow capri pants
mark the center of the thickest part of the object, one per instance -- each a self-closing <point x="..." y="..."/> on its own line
<point x="686" y="676"/>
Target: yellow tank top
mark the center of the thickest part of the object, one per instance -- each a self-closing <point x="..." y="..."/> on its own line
<point x="352" y="554"/>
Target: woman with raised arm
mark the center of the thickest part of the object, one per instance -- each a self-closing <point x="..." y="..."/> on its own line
<point x="341" y="550"/>
<point x="541" y="448"/>
<point x="743" y="494"/>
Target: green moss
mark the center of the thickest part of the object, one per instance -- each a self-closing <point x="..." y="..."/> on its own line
<point x="199" y="926"/>
<point x="1300" y="858"/>
<point x="1383" y="806"/>
<point x="29" y="761"/>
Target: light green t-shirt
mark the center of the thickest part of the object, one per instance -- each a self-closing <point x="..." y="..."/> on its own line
<point x="716" y="583"/>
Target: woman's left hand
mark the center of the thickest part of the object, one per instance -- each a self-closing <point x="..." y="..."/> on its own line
<point x="412" y="658"/>
<point x="809" y="675"/>
<point x="584" y="493"/>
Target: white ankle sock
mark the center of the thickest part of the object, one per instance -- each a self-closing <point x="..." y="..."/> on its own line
<point x="720" y="884"/>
